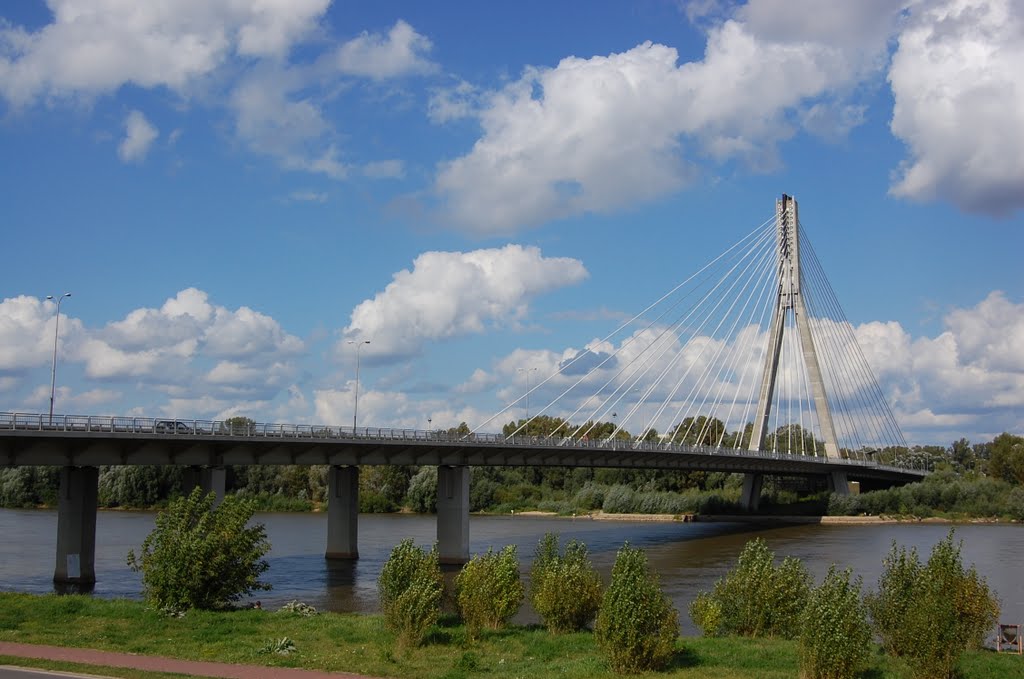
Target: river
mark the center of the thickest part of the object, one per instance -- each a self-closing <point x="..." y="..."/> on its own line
<point x="689" y="557"/>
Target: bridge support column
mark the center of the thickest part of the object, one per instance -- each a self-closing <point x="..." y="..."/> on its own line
<point x="751" y="497"/>
<point x="453" y="514"/>
<point x="838" y="483"/>
<point x="210" y="479"/>
<point x="76" y="527"/>
<point x="342" y="512"/>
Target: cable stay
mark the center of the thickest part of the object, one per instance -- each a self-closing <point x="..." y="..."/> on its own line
<point x="751" y="352"/>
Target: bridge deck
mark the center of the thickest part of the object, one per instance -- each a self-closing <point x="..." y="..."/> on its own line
<point x="35" y="439"/>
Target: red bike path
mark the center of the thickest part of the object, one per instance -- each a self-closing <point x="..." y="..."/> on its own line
<point x="155" y="663"/>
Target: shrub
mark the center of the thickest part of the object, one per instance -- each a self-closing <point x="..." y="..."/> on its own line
<point x="756" y="598"/>
<point x="410" y="588"/>
<point x="940" y="609"/>
<point x="422" y="495"/>
<point x="201" y="556"/>
<point x="489" y="590"/>
<point x="896" y="590"/>
<point x="565" y="590"/>
<point x="835" y="638"/>
<point x="619" y="500"/>
<point x="636" y="626"/>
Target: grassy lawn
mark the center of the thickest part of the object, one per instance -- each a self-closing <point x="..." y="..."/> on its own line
<point x="359" y="643"/>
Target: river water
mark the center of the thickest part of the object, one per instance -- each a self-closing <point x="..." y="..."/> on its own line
<point x="689" y="557"/>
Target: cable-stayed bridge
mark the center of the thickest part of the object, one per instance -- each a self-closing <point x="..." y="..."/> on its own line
<point x="748" y="365"/>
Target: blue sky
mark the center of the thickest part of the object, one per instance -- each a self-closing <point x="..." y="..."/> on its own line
<point x="232" y="191"/>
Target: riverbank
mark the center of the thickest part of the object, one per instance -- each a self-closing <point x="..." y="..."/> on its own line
<point x="760" y="519"/>
<point x="359" y="644"/>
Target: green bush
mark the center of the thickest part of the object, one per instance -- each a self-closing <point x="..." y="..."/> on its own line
<point x="422" y="495"/>
<point x="490" y="590"/>
<point x="636" y="626"/>
<point x="896" y="590"/>
<point x="201" y="556"/>
<point x="835" y="638"/>
<point x="932" y="613"/>
<point x="757" y="598"/>
<point x="565" y="590"/>
<point x="410" y="588"/>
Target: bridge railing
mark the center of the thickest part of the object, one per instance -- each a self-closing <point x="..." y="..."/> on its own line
<point x="86" y="424"/>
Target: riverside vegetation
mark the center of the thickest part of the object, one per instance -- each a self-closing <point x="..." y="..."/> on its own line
<point x="635" y="626"/>
<point x="980" y="480"/>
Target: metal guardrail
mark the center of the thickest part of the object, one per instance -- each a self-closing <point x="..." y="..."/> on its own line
<point x="86" y="424"/>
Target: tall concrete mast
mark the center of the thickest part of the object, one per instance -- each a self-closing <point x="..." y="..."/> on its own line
<point x="789" y="300"/>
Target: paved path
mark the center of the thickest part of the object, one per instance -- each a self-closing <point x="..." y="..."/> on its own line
<point x="154" y="663"/>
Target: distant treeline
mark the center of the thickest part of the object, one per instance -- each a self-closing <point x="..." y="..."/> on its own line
<point x="983" y="479"/>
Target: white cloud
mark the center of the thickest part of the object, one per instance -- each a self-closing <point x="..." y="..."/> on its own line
<point x="453" y="103"/>
<point x="271" y="121"/>
<point x="95" y="46"/>
<point x="594" y="135"/>
<point x="390" y="409"/>
<point x="162" y="344"/>
<point x="308" y="196"/>
<point x="27" y="326"/>
<point x="384" y="169"/>
<point x="448" y="294"/>
<point x="139" y="135"/>
<point x="959" y="104"/>
<point x="401" y="52"/>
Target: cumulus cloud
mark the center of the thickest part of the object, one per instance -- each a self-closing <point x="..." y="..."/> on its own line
<point x="378" y="408"/>
<point x="94" y="47"/>
<point x="235" y="53"/>
<point x="447" y="294"/>
<point x="384" y="169"/>
<point x="273" y="121"/>
<point x="27" y="327"/>
<point x="401" y="52"/>
<point x="160" y="344"/>
<point x="966" y="381"/>
<point x="959" y="104"/>
<point x="597" y="134"/>
<point x="139" y="135"/>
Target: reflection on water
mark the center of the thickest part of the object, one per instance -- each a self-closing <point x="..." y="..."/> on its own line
<point x="688" y="556"/>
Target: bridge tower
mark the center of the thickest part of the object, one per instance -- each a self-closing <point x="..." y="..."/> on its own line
<point x="788" y="301"/>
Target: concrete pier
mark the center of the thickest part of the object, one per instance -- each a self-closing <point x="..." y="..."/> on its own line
<point x="342" y="512"/>
<point x="210" y="479"/>
<point x="76" y="527"/>
<point x="453" y="514"/>
<point x="751" y="497"/>
<point x="839" y="483"/>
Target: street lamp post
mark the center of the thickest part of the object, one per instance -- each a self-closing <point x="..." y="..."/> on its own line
<point x="527" y="371"/>
<point x="355" y="411"/>
<point x="53" y="368"/>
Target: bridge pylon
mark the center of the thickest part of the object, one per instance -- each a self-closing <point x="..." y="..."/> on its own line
<point x="789" y="301"/>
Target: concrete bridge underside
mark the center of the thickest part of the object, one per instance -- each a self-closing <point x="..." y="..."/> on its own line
<point x="79" y="453"/>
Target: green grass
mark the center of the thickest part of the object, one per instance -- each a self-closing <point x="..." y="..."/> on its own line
<point x="359" y="643"/>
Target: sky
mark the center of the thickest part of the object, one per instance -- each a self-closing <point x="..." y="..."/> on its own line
<point x="237" y="194"/>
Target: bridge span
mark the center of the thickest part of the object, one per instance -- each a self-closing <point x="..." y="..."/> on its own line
<point x="79" y="444"/>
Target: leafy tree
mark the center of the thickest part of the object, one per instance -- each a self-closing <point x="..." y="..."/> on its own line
<point x="565" y="590"/>
<point x="382" y="488"/>
<point x="757" y="598"/>
<point x="835" y="638"/>
<point x="410" y="588"/>
<point x="422" y="495"/>
<point x="202" y="557"/>
<point x="931" y="614"/>
<point x="238" y="425"/>
<point x="1007" y="458"/>
<point x="461" y="430"/>
<point x="490" y="590"/>
<point x="637" y="626"/>
<point x="698" y="431"/>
